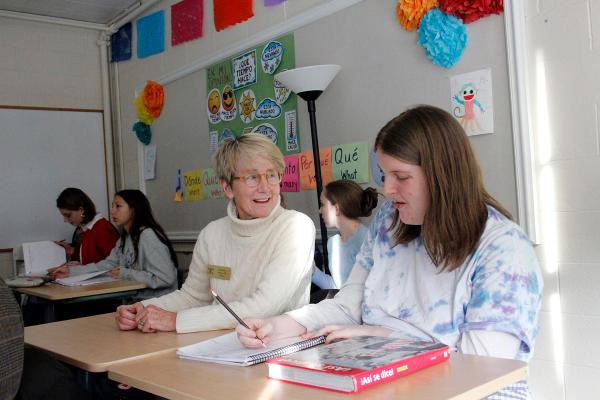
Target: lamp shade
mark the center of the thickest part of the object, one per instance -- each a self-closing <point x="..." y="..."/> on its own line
<point x="315" y="78"/>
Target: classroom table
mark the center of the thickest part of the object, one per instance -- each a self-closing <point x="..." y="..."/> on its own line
<point x="51" y="294"/>
<point x="95" y="343"/>
<point x="463" y="377"/>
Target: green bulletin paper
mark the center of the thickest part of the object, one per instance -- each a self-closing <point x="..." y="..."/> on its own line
<point x="243" y="96"/>
<point x="351" y="161"/>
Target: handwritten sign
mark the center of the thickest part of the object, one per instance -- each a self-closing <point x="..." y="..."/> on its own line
<point x="289" y="180"/>
<point x="193" y="185"/>
<point x="307" y="169"/>
<point x="244" y="70"/>
<point x="351" y="161"/>
<point x="210" y="182"/>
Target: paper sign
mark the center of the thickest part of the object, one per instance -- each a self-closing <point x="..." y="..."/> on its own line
<point x="376" y="170"/>
<point x="187" y="18"/>
<point x="151" y="34"/>
<point x="307" y="169"/>
<point x="227" y="14"/>
<point x="193" y="185"/>
<point x="351" y="161"/>
<point x="472" y="101"/>
<point x="289" y="180"/>
<point x="149" y="161"/>
<point x="120" y="44"/>
<point x="244" y="70"/>
<point x="178" y="188"/>
<point x="212" y="187"/>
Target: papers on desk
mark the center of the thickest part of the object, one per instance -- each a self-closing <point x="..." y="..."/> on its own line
<point x="87" y="279"/>
<point x="39" y="256"/>
<point x="227" y="349"/>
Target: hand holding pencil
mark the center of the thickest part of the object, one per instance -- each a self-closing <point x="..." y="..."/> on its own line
<point x="241" y="322"/>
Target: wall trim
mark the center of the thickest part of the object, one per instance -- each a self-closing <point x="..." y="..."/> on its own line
<point x="514" y="19"/>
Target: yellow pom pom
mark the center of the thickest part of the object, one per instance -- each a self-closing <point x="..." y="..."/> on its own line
<point x="142" y="114"/>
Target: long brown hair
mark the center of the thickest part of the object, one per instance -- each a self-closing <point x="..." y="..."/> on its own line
<point x="431" y="138"/>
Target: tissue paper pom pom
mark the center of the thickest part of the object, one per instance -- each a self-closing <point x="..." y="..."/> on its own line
<point x="142" y="113"/>
<point x="471" y="10"/>
<point x="410" y="12"/>
<point x="154" y="98"/>
<point x="443" y="37"/>
<point x="142" y="131"/>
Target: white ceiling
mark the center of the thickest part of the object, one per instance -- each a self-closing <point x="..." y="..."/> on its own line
<point x="96" y="11"/>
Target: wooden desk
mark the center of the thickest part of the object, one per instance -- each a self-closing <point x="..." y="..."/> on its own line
<point x="52" y="293"/>
<point x="464" y="377"/>
<point x="94" y="343"/>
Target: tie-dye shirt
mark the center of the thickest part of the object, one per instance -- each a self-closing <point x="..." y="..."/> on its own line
<point x="498" y="288"/>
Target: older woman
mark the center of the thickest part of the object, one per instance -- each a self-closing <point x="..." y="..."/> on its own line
<point x="258" y="258"/>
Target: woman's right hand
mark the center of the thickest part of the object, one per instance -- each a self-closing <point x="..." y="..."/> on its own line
<point x="269" y="329"/>
<point x="62" y="271"/>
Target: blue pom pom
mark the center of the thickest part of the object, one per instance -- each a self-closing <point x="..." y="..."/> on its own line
<point x="142" y="131"/>
<point x="443" y="37"/>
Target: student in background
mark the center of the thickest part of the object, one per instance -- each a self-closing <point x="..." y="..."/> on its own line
<point x="343" y="202"/>
<point x="143" y="253"/>
<point x="258" y="258"/>
<point x="97" y="236"/>
<point x="442" y="258"/>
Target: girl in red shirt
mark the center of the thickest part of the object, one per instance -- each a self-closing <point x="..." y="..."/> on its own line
<point x="98" y="236"/>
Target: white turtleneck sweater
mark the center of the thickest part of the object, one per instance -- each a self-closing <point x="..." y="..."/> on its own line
<point x="270" y="260"/>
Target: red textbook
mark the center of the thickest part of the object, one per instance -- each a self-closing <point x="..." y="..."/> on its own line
<point x="354" y="364"/>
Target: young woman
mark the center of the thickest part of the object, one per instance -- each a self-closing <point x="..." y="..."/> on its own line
<point x="94" y="236"/>
<point x="442" y="257"/>
<point x="343" y="202"/>
<point x="143" y="252"/>
<point x="258" y="258"/>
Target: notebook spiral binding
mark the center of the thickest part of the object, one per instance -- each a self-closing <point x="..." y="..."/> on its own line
<point x="282" y="351"/>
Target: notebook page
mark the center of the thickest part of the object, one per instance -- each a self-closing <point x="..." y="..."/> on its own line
<point x="227" y="349"/>
<point x="82" y="279"/>
<point x="39" y="256"/>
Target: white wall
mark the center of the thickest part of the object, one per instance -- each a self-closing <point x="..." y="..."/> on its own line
<point x="46" y="65"/>
<point x="563" y="47"/>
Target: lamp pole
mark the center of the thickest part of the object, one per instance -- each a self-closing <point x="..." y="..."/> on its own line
<point x="312" y="112"/>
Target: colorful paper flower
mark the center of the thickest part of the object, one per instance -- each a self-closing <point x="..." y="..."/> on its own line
<point x="443" y="37"/>
<point x="154" y="98"/>
<point x="410" y="12"/>
<point x="142" y="131"/>
<point x="143" y="114"/>
<point x="471" y="10"/>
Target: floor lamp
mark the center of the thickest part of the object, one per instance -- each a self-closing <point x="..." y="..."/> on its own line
<point x="309" y="83"/>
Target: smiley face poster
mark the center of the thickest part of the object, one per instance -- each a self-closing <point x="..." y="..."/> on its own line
<point x="243" y="96"/>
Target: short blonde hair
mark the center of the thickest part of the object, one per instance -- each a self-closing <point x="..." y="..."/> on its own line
<point x="249" y="146"/>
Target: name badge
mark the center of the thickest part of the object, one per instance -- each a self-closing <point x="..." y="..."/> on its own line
<point x="219" y="272"/>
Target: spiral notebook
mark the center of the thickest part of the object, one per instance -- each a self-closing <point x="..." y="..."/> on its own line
<point x="227" y="349"/>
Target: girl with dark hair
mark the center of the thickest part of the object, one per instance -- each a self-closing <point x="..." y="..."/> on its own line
<point x="94" y="236"/>
<point x="442" y="260"/>
<point x="343" y="202"/>
<point x="143" y="252"/>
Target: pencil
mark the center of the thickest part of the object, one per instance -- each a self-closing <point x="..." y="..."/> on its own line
<point x="242" y="323"/>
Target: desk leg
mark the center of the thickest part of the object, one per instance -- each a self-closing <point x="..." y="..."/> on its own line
<point x="50" y="312"/>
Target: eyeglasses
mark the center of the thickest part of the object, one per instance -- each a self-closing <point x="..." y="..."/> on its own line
<point x="252" y="180"/>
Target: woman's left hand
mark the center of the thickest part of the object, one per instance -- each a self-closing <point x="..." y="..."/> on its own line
<point x="334" y="332"/>
<point x="114" y="273"/>
<point x="153" y="319"/>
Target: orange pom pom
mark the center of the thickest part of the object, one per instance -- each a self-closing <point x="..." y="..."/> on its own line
<point x="410" y="12"/>
<point x="154" y="98"/>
